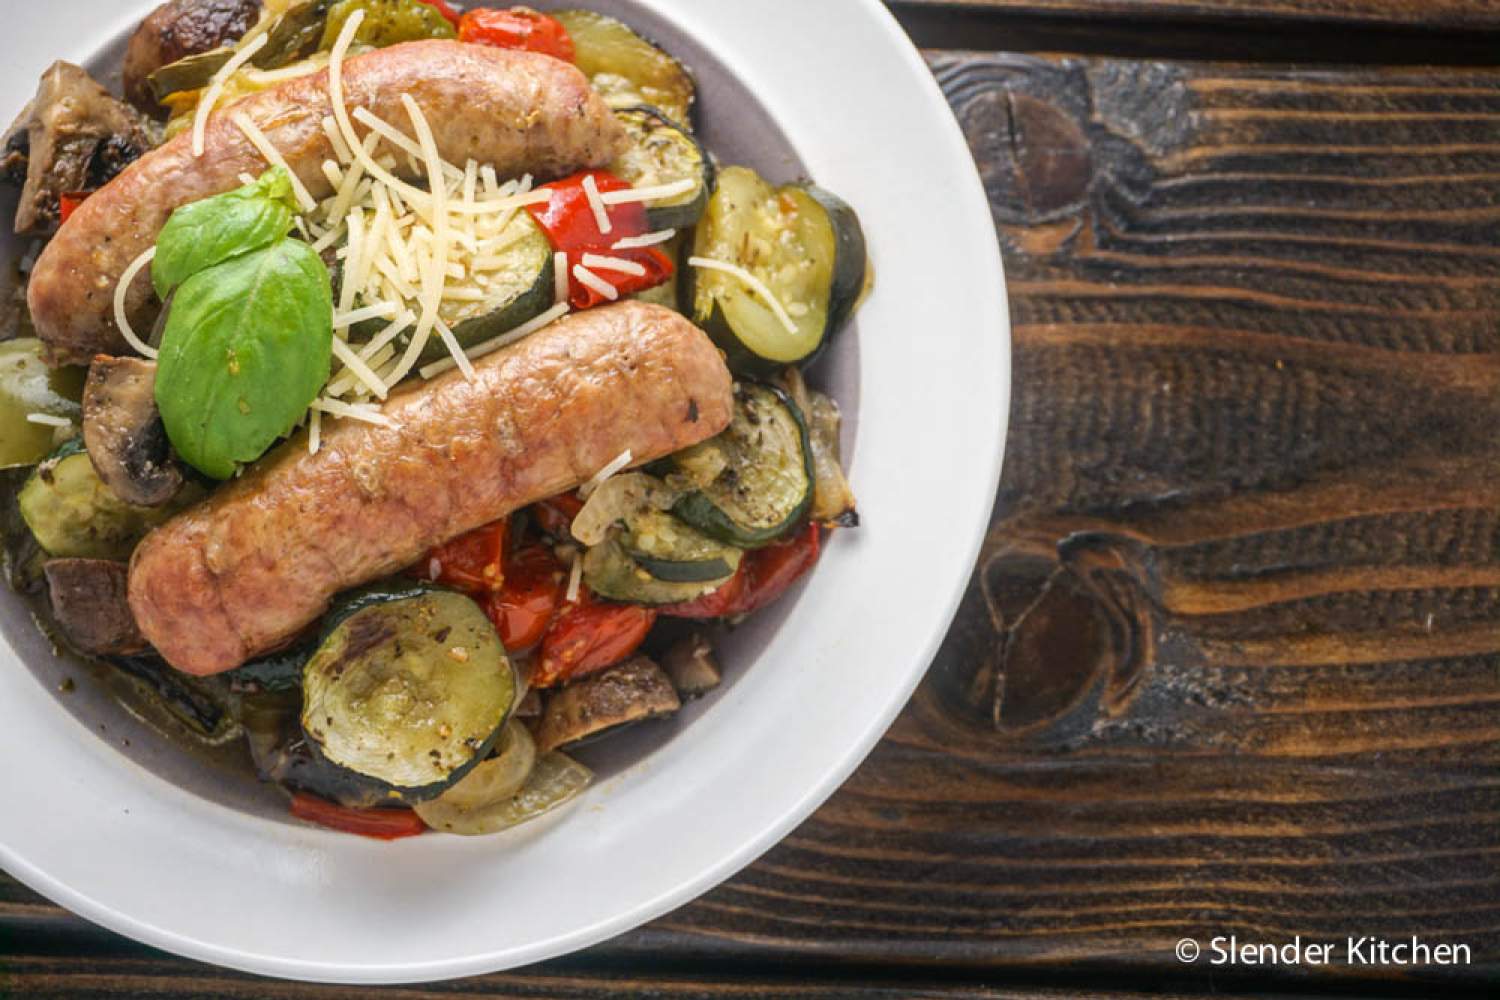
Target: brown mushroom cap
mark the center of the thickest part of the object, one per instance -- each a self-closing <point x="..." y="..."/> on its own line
<point x="634" y="690"/>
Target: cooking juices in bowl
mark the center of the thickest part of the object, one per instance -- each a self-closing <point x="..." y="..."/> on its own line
<point x="656" y="305"/>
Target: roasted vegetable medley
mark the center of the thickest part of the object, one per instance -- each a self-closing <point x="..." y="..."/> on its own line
<point x="437" y="399"/>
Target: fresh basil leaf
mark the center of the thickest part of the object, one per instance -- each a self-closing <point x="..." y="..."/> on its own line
<point x="245" y="350"/>
<point x="203" y="233"/>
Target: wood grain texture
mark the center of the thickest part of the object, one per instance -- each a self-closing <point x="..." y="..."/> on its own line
<point x="1427" y="13"/>
<point x="1231" y="659"/>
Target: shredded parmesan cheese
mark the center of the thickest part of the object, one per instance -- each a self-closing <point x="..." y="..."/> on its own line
<point x="334" y="408"/>
<point x="503" y="340"/>
<point x="596" y="202"/>
<point x="358" y="368"/>
<point x="315" y="432"/>
<point x="591" y="280"/>
<point x="559" y="277"/>
<point x="644" y="240"/>
<point x="454" y="350"/>
<point x="48" y="420"/>
<point x="380" y="310"/>
<point x="660" y="191"/>
<point x="602" y="263"/>
<point x="216" y="88"/>
<point x="575" y="577"/>
<point x="273" y="156"/>
<point x="750" y="281"/>
<point x="140" y="346"/>
<point x="619" y="462"/>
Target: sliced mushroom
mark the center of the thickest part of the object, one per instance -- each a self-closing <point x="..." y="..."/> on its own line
<point x="691" y="665"/>
<point x="634" y="690"/>
<point x="72" y="137"/>
<point x="88" y="601"/>
<point x="123" y="431"/>
<point x="530" y="705"/>
<point x="177" y="29"/>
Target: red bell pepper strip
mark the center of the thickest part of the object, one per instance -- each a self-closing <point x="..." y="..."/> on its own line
<point x="449" y="14"/>
<point x="522" y="609"/>
<point x="517" y="28"/>
<point x="382" y="824"/>
<point x="764" y="575"/>
<point x="569" y="222"/>
<point x="589" y="636"/>
<point x="68" y="202"/>
<point x="474" y="563"/>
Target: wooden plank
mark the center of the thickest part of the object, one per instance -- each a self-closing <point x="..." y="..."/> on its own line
<point x="1231" y="659"/>
<point x="1443" y="13"/>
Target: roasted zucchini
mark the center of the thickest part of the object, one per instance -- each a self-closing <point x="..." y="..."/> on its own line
<point x="72" y="513"/>
<point x="610" y="571"/>
<point x="663" y="152"/>
<point x="513" y="280"/>
<point x="673" y="552"/>
<point x="28" y="386"/>
<point x="409" y="689"/>
<point x="807" y="248"/>
<point x="625" y="68"/>
<point x="755" y="479"/>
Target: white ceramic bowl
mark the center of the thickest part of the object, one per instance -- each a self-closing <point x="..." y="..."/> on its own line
<point x="150" y="844"/>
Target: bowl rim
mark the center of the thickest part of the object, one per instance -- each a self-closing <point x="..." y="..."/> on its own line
<point x="987" y="310"/>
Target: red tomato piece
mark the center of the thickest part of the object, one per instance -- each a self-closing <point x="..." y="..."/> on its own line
<point x="472" y="562"/>
<point x="68" y="202"/>
<point x="589" y="636"/>
<point x="382" y="824"/>
<point x="516" y="28"/>
<point x="764" y="575"/>
<point x="570" y="224"/>
<point x="523" y="608"/>
<point x="555" y="516"/>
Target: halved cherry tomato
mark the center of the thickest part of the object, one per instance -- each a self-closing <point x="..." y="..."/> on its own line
<point x="382" y="824"/>
<point x="569" y="222"/>
<point x="449" y="14"/>
<point x="588" y="636"/>
<point x="474" y="562"/>
<point x="516" y="28"/>
<point x="555" y="516"/>
<point x="68" y="202"/>
<point x="523" y="608"/>
<point x="764" y="575"/>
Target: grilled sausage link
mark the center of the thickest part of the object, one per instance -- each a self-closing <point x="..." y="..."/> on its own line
<point x="255" y="563"/>
<point x="521" y="112"/>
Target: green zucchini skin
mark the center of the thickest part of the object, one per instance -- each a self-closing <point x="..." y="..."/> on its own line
<point x="679" y="571"/>
<point x="851" y="260"/>
<point x="646" y="127"/>
<point x="611" y="572"/>
<point x="705" y="509"/>
<point x="392" y="637"/>
<point x="743" y="204"/>
<point x="72" y="513"/>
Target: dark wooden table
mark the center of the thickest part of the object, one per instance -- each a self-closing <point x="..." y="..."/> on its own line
<point x="1230" y="663"/>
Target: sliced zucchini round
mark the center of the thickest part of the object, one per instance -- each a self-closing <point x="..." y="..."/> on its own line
<point x="625" y="68"/>
<point x="755" y="479"/>
<point x="671" y="551"/>
<point x="408" y="690"/>
<point x="512" y="279"/>
<point x="28" y="386"/>
<point x="610" y="571"/>
<point x="663" y="152"/>
<point x="72" y="513"/>
<point x="804" y="244"/>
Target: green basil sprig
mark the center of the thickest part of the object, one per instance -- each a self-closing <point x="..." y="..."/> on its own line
<point x="247" y="340"/>
<point x="204" y="233"/>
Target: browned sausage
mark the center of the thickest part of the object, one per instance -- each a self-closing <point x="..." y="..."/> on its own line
<point x="176" y="29"/>
<point x="259" y="560"/>
<point x="520" y="111"/>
